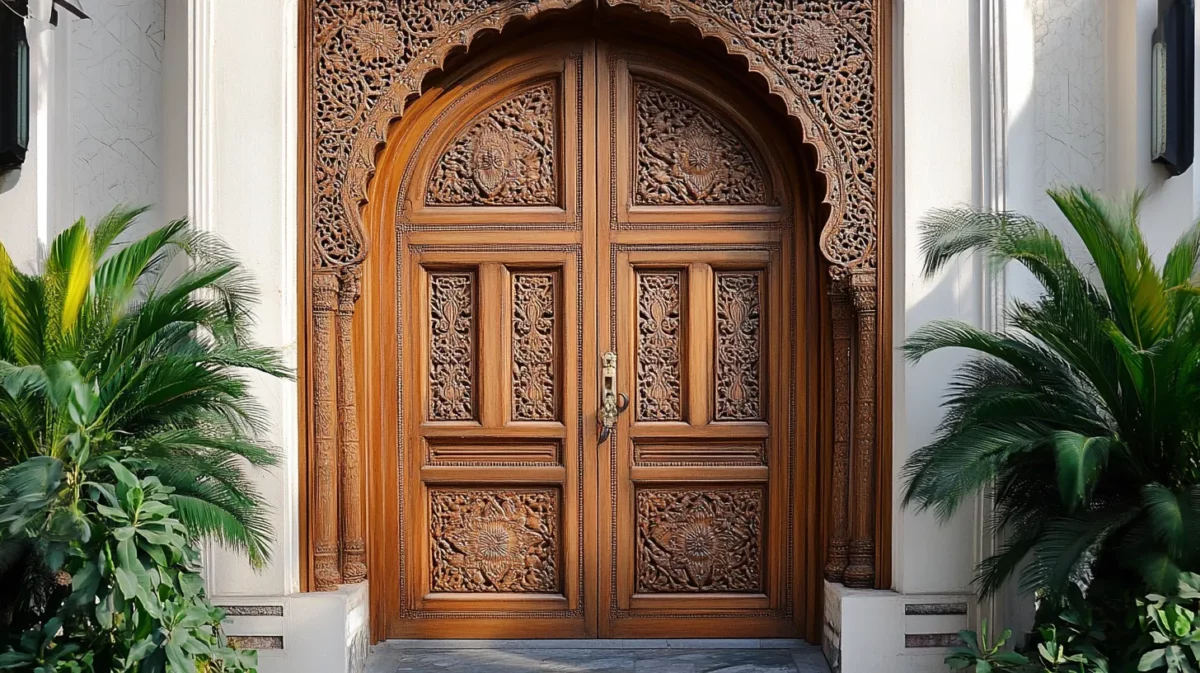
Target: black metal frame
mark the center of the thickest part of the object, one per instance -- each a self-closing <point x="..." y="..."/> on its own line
<point x="14" y="83"/>
<point x="1174" y="80"/>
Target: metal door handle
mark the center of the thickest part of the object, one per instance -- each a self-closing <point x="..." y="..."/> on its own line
<point x="612" y="403"/>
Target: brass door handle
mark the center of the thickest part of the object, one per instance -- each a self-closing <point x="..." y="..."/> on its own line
<point x="612" y="403"/>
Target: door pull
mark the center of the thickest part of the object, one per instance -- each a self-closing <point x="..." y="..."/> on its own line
<point x="612" y="403"/>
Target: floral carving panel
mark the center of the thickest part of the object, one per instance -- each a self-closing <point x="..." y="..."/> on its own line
<point x="687" y="156"/>
<point x="451" y="346"/>
<point x="699" y="541"/>
<point x="369" y="57"/>
<point x="739" y="348"/>
<point x="494" y="541"/>
<point x="659" y="302"/>
<point x="534" y="307"/>
<point x="505" y="158"/>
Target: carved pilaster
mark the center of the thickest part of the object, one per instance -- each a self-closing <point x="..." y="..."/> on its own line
<point x="326" y="570"/>
<point x="842" y="316"/>
<point x="353" y="522"/>
<point x="860" y="573"/>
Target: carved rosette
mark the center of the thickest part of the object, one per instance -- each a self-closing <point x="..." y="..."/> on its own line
<point x="533" y="347"/>
<point x="687" y="156"/>
<point x="451" y="346"/>
<point x="368" y="58"/>
<point x="494" y="541"/>
<point x="819" y="57"/>
<point x="739" y="353"/>
<point x="659" y="391"/>
<point x="506" y="158"/>
<point x="699" y="541"/>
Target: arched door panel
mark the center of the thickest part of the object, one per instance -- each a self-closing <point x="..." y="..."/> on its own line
<point x="551" y="205"/>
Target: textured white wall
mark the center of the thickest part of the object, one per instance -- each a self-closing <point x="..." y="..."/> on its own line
<point x="1069" y="96"/>
<point x="116" y="106"/>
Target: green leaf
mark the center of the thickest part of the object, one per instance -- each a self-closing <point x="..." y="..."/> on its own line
<point x="127" y="582"/>
<point x="1080" y="460"/>
<point x="179" y="661"/>
<point x="1152" y="660"/>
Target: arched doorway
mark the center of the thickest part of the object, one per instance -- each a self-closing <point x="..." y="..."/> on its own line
<point x="551" y="204"/>
<point x="801" y="85"/>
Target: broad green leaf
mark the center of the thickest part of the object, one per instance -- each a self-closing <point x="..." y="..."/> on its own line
<point x="1080" y="460"/>
<point x="1152" y="660"/>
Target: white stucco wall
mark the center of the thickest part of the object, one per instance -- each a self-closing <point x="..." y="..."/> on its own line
<point x="116" y="82"/>
<point x="244" y="157"/>
<point x="937" y="166"/>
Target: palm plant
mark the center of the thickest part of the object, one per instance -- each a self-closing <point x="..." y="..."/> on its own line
<point x="1083" y="415"/>
<point x="158" y="328"/>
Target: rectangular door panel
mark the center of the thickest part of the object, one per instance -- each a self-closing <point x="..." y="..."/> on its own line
<point x="495" y="504"/>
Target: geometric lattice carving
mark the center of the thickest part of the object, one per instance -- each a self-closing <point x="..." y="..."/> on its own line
<point x="505" y="158"/>
<point x="699" y="541"/>
<point x="533" y="336"/>
<point x="451" y="346"/>
<point x="494" y="541"/>
<point x="739" y="356"/>
<point x="659" y="302"/>
<point x="686" y="156"/>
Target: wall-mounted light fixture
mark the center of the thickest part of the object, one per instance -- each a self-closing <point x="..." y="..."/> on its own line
<point x="14" y="83"/>
<point x="1174" y="63"/>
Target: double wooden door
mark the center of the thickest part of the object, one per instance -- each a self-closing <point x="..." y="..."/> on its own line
<point x="554" y="205"/>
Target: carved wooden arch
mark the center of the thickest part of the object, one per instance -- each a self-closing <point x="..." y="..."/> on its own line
<point x="366" y="59"/>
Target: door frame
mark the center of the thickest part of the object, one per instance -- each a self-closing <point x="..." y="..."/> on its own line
<point x="358" y="78"/>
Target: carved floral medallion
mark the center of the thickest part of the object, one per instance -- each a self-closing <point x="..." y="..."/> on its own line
<point x="494" y="541"/>
<point x="533" y="336"/>
<point x="451" y="346"/>
<point x="687" y="156"/>
<point x="658" y="351"/>
<point x="819" y="56"/>
<point x="506" y="158"/>
<point x="739" y="356"/>
<point x="699" y="541"/>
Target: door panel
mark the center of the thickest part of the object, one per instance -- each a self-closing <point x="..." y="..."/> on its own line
<point x="493" y="250"/>
<point x="697" y="480"/>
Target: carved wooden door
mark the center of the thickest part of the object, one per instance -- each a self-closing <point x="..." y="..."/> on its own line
<point x="496" y="249"/>
<point x="559" y="203"/>
<point x="697" y="499"/>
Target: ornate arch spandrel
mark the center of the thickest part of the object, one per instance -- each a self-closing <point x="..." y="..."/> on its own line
<point x="818" y="56"/>
<point x="366" y="61"/>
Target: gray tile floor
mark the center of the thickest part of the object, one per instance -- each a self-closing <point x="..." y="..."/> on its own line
<point x="660" y="656"/>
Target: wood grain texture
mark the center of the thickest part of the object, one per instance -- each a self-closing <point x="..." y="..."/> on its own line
<point x="364" y="61"/>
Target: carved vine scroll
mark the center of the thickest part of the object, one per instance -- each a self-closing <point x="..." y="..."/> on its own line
<point x="366" y="60"/>
<point x="369" y="58"/>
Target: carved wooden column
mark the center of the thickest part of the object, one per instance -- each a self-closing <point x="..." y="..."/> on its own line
<point x="326" y="570"/>
<point x="353" y="522"/>
<point x="860" y="573"/>
<point x="842" y="317"/>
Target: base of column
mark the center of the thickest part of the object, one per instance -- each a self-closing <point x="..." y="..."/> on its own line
<point x="869" y="630"/>
<point x="318" y="632"/>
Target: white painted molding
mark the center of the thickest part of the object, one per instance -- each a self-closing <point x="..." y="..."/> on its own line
<point x="200" y="96"/>
<point x="993" y="193"/>
<point x="199" y="158"/>
<point x="289" y="548"/>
